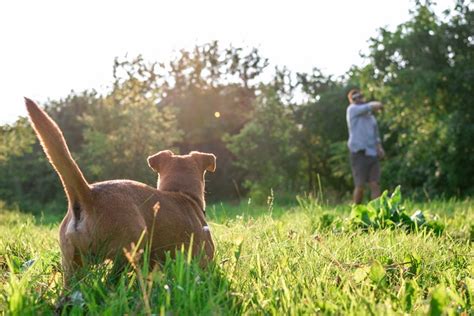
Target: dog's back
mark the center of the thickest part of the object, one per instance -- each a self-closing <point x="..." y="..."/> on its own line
<point x="128" y="208"/>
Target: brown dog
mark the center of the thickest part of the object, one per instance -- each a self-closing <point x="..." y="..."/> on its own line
<point x="105" y="217"/>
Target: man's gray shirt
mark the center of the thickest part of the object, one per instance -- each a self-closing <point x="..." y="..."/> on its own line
<point x="363" y="129"/>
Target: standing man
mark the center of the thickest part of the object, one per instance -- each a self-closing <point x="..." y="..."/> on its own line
<point x="364" y="144"/>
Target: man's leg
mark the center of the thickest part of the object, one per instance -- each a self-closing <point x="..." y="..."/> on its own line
<point x="374" y="189"/>
<point x="374" y="178"/>
<point x="360" y="175"/>
<point x="358" y="194"/>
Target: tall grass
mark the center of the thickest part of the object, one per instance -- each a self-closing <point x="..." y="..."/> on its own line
<point x="269" y="260"/>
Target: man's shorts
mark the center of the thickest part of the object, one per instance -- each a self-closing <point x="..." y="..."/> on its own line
<point x="364" y="168"/>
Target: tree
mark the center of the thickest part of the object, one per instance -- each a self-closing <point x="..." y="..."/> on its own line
<point x="17" y="139"/>
<point x="323" y="130"/>
<point x="128" y="125"/>
<point x="26" y="178"/>
<point x="28" y="181"/>
<point x="212" y="90"/>
<point x="423" y="72"/>
<point x="266" y="148"/>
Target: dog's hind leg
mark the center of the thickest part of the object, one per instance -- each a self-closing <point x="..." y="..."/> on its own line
<point x="71" y="261"/>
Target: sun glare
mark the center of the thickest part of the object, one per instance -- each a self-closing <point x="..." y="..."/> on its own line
<point x="217" y="114"/>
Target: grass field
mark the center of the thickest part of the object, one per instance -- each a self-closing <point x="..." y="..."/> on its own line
<point x="270" y="260"/>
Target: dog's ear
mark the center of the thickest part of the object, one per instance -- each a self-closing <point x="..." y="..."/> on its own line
<point x="206" y="161"/>
<point x="157" y="160"/>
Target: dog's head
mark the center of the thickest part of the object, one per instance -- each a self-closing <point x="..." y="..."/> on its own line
<point x="183" y="173"/>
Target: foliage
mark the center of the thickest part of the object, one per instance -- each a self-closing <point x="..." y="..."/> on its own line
<point x="213" y="89"/>
<point x="127" y="126"/>
<point x="26" y="177"/>
<point x="422" y="71"/>
<point x="16" y="143"/>
<point x="16" y="140"/>
<point x="276" y="263"/>
<point x="202" y="94"/>
<point x="266" y="149"/>
<point x="390" y="212"/>
<point x="318" y="116"/>
<point x="68" y="113"/>
<point x="278" y="130"/>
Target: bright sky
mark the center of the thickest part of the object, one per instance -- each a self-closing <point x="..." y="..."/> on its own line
<point x="48" y="48"/>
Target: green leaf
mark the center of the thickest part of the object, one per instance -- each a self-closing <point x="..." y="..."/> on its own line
<point x="470" y="287"/>
<point x="439" y="301"/>
<point x="409" y="294"/>
<point x="360" y="274"/>
<point x="377" y="273"/>
<point x="396" y="197"/>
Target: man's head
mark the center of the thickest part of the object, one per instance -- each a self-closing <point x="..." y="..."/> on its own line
<point x="355" y="96"/>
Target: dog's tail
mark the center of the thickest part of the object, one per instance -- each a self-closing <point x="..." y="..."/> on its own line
<point x="52" y="140"/>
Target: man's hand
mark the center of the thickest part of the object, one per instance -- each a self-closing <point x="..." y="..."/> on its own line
<point x="380" y="152"/>
<point x="376" y="105"/>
